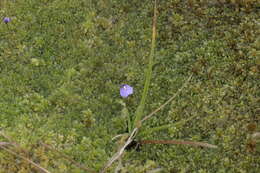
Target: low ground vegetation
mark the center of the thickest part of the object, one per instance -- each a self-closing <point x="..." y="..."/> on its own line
<point x="62" y="64"/>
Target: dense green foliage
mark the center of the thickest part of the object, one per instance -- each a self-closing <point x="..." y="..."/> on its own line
<point x="62" y="63"/>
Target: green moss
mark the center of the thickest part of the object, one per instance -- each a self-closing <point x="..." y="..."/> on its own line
<point x="62" y="63"/>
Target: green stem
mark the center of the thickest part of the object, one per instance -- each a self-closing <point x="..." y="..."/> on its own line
<point x="129" y="125"/>
<point x="140" y="108"/>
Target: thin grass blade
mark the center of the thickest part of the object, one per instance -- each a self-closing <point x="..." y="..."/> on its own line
<point x="196" y="144"/>
<point x="140" y="108"/>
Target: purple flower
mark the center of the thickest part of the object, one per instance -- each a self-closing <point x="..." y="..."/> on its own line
<point x="126" y="90"/>
<point x="6" y="20"/>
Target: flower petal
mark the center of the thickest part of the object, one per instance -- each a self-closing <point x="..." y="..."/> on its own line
<point x="126" y="90"/>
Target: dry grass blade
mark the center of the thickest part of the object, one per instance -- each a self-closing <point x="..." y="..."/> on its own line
<point x="196" y="144"/>
<point x="67" y="158"/>
<point x="155" y="170"/>
<point x="26" y="159"/>
<point x="120" y="151"/>
<point x="9" y="139"/>
<point x="168" y="101"/>
<point x="256" y="135"/>
<point x="5" y="143"/>
<point x="118" y="136"/>
<point x="13" y="143"/>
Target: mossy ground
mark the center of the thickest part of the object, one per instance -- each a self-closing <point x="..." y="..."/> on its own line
<point x="62" y="63"/>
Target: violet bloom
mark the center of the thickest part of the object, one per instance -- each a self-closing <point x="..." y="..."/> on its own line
<point x="6" y="20"/>
<point x="126" y="90"/>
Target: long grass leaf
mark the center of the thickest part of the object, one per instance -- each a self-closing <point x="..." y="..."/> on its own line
<point x="168" y="101"/>
<point x="163" y="127"/>
<point x="196" y="144"/>
<point x="140" y="108"/>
